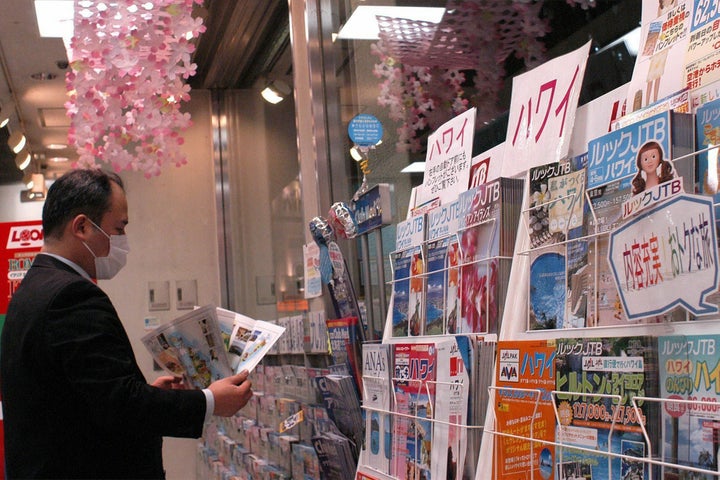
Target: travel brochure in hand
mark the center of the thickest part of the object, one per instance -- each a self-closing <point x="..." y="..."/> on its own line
<point x="210" y="343"/>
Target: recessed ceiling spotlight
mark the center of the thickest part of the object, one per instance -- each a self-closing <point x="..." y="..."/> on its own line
<point x="17" y="141"/>
<point x="23" y="159"/>
<point x="43" y="76"/>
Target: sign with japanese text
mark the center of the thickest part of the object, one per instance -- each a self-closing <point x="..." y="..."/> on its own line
<point x="658" y="70"/>
<point x="373" y="209"/>
<point x="486" y="166"/>
<point x="22" y="241"/>
<point x="311" y="270"/>
<point x="449" y="155"/>
<point x="702" y="65"/>
<point x="666" y="257"/>
<point x="595" y="119"/>
<point x="614" y="156"/>
<point x="542" y="112"/>
<point x="365" y="130"/>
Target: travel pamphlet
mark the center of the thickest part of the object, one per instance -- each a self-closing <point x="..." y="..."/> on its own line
<point x="192" y="346"/>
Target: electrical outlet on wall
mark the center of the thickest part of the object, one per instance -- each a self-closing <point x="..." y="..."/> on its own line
<point x="159" y="296"/>
<point x="186" y="292"/>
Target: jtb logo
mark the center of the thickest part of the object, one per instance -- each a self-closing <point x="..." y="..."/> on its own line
<point x="26" y="236"/>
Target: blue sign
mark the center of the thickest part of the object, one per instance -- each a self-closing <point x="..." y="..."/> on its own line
<point x="365" y="130"/>
<point x="372" y="209"/>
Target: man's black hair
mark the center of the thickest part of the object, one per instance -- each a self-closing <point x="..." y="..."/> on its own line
<point x="86" y="191"/>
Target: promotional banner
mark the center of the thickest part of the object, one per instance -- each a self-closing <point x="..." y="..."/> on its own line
<point x="666" y="257"/>
<point x="595" y="119"/>
<point x="542" y="112"/>
<point x="659" y="66"/>
<point x="702" y="66"/>
<point x="23" y="241"/>
<point x="486" y="166"/>
<point x="311" y="271"/>
<point x="448" y="160"/>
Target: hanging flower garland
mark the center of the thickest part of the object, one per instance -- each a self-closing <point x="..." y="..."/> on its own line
<point x="129" y="62"/>
<point x="424" y="83"/>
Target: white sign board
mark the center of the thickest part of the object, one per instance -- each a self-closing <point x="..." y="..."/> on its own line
<point x="666" y="257"/>
<point x="542" y="112"/>
<point x="447" y="164"/>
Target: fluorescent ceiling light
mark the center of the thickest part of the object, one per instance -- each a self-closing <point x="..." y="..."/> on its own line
<point x="56" y="146"/>
<point x="362" y="24"/>
<point x="55" y="18"/>
<point x="631" y="40"/>
<point x="415" y="167"/>
<point x="275" y="92"/>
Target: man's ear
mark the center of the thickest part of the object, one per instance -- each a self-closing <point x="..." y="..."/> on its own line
<point x="80" y="227"/>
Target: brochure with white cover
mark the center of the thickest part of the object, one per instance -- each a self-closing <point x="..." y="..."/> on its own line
<point x="191" y="347"/>
<point x="262" y="338"/>
<point x="241" y="332"/>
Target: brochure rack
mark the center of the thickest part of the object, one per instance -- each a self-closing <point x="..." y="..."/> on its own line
<point x="482" y="261"/>
<point x="468" y="433"/>
<point x="516" y="329"/>
<point x="651" y="458"/>
<point x="515" y="326"/>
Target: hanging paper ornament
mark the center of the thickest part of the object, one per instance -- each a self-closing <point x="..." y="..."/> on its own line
<point x="129" y="62"/>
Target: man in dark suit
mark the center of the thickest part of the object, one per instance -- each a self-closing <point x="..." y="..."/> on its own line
<point x="75" y="402"/>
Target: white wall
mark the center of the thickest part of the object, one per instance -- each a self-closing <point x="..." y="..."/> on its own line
<point x="12" y="210"/>
<point x="172" y="234"/>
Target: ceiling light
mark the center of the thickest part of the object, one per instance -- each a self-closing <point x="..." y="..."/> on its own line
<point x="415" y="167"/>
<point x="55" y="18"/>
<point x="56" y="146"/>
<point x="276" y="91"/>
<point x="355" y="154"/>
<point x="43" y="76"/>
<point x="22" y="159"/>
<point x="28" y="179"/>
<point x="17" y="141"/>
<point x="631" y="40"/>
<point x="58" y="159"/>
<point x="4" y="115"/>
<point x="362" y="24"/>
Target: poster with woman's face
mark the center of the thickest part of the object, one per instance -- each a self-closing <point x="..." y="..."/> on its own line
<point x="653" y="167"/>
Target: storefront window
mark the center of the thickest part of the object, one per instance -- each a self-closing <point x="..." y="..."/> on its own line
<point x="415" y="68"/>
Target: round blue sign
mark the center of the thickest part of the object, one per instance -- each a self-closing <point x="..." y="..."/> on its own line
<point x="365" y="130"/>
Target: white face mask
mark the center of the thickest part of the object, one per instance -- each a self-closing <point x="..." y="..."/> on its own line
<point x="107" y="267"/>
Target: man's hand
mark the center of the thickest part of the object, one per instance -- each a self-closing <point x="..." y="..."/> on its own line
<point x="168" y="382"/>
<point x="231" y="394"/>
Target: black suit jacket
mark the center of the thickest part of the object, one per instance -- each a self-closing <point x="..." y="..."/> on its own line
<point x="75" y="402"/>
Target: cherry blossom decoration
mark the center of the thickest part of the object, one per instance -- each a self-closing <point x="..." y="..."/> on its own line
<point x="432" y="72"/>
<point x="129" y="62"/>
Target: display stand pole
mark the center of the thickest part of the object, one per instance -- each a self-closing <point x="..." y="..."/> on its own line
<point x="365" y="252"/>
<point x="372" y="212"/>
<point x="381" y="277"/>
